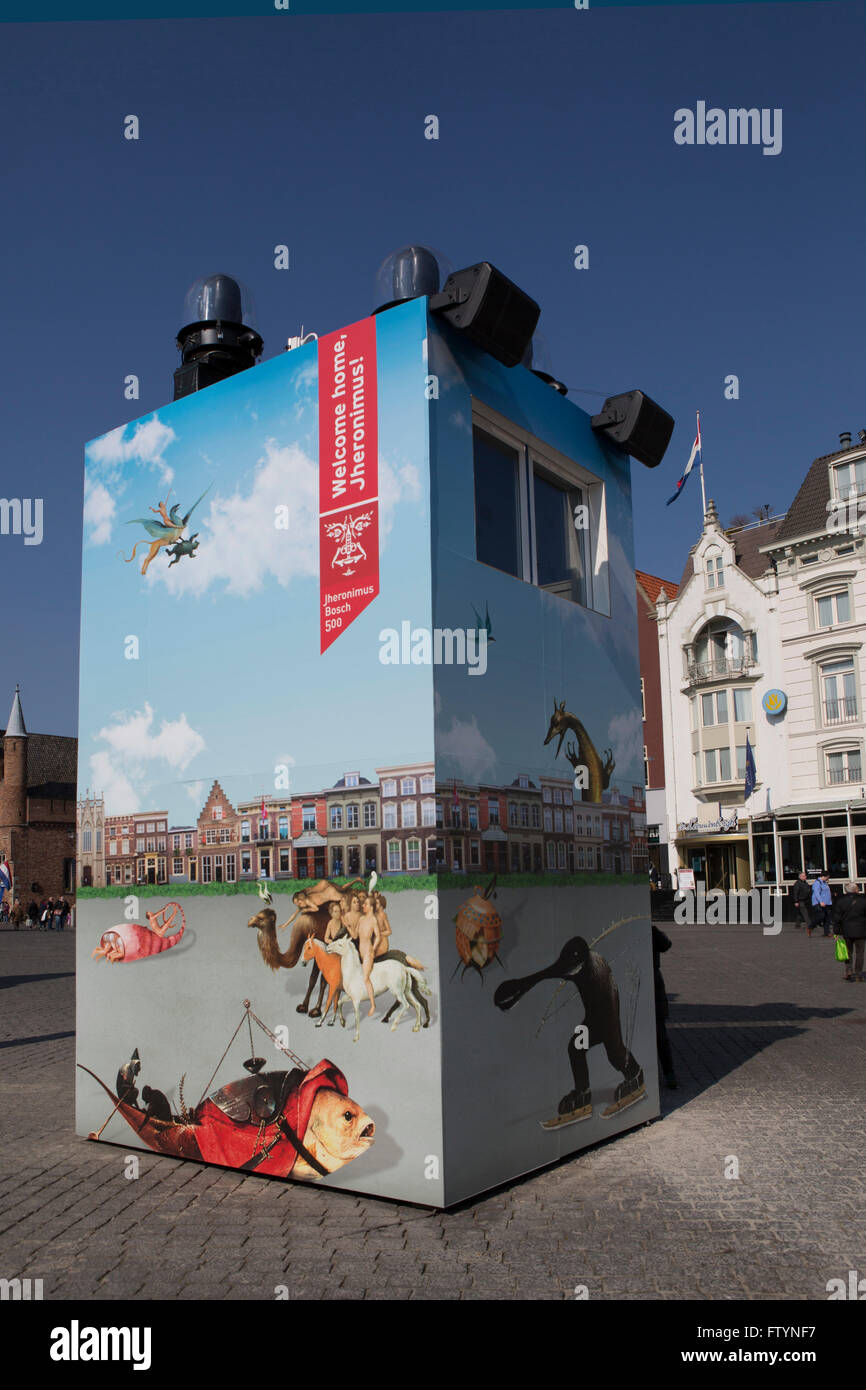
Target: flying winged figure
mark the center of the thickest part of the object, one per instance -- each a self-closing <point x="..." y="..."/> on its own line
<point x="167" y="531"/>
<point x="486" y="625"/>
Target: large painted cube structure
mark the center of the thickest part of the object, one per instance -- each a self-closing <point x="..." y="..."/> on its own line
<point x="359" y="689"/>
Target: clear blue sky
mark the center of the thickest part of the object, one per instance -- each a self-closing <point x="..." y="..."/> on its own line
<point x="555" y="129"/>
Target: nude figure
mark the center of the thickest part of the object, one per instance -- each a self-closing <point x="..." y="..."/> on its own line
<point x="368" y="940"/>
<point x="335" y="922"/>
<point x="379" y="903"/>
<point x="351" y="915"/>
<point x="381" y="915"/>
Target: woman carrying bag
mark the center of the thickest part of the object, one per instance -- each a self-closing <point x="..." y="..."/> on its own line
<point x="849" y="922"/>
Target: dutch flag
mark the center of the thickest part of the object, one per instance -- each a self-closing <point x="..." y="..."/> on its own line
<point x="696" y="453"/>
<point x="5" y="879"/>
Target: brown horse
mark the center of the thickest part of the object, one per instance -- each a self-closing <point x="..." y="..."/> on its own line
<point x="331" y="967"/>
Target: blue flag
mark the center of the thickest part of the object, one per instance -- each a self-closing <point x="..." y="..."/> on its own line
<point x="751" y="775"/>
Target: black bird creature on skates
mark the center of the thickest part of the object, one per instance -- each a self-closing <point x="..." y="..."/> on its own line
<point x="593" y="979"/>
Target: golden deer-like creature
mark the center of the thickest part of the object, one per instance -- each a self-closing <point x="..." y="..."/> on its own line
<point x="585" y="755"/>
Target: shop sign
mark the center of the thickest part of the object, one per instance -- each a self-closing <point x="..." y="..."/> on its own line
<point x="722" y="825"/>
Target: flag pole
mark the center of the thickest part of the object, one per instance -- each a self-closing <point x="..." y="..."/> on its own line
<point x="701" y="456"/>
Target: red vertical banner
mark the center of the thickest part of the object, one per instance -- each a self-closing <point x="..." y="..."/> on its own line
<point x="348" y="477"/>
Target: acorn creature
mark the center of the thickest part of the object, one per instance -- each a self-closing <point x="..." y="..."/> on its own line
<point x="479" y="930"/>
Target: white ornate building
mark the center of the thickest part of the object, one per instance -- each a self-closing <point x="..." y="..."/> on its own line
<point x="90" y="858"/>
<point x="775" y="607"/>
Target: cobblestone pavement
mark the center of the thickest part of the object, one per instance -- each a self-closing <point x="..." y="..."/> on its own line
<point x="770" y="1046"/>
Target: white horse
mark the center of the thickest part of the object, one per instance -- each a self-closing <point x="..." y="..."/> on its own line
<point x="386" y="975"/>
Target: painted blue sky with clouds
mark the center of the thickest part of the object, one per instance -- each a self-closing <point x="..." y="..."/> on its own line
<point x="229" y="641"/>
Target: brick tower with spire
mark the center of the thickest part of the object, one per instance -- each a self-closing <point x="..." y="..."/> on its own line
<point x="13" y="785"/>
<point x="37" y="808"/>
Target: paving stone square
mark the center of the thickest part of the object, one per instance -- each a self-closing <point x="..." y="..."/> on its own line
<point x="769" y="1043"/>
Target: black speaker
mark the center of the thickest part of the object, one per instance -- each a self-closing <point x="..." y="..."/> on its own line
<point x="490" y="309"/>
<point x="196" y="375"/>
<point x="636" y="424"/>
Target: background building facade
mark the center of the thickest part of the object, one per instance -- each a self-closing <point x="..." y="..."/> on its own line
<point x="38" y="815"/>
<point x="649" y="586"/>
<point x="718" y="654"/>
<point x="90" y="863"/>
<point x="767" y="639"/>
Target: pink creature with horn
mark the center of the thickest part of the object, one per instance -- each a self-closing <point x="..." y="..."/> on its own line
<point x="131" y="941"/>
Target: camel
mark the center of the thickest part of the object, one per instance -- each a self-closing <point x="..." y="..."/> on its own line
<point x="586" y="754"/>
<point x="310" y="918"/>
<point x="385" y="975"/>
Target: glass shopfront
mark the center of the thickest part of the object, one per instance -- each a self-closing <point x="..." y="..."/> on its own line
<point x="834" y="840"/>
<point x="718" y="861"/>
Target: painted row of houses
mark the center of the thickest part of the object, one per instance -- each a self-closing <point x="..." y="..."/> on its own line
<point x="400" y="824"/>
<point x="763" y="641"/>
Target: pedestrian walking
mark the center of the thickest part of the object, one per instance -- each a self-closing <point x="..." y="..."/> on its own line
<point x="662" y="943"/>
<point x="802" y="899"/>
<point x="64" y="913"/>
<point x="45" y="914"/>
<point x="849" y="921"/>
<point x="58" y="915"/>
<point x="822" y="900"/>
<point x="17" y="914"/>
<point x="32" y="914"/>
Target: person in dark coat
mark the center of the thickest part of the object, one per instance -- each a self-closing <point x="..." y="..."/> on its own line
<point x="802" y="900"/>
<point x="662" y="943"/>
<point x="849" y="921"/>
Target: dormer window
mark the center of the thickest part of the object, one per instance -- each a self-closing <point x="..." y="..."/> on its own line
<point x="352" y="779"/>
<point x="850" y="478"/>
<point x="715" y="571"/>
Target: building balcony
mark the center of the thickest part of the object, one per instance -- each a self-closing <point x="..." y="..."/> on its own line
<point x="724" y="790"/>
<point x="729" y="668"/>
<point x="843" y="775"/>
<point x="844" y="711"/>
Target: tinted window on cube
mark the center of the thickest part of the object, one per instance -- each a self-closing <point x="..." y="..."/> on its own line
<point x="497" y="516"/>
<point x="559" y="547"/>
